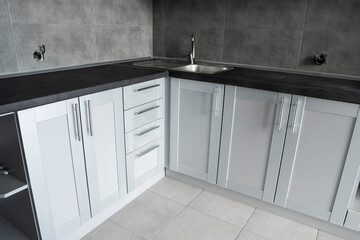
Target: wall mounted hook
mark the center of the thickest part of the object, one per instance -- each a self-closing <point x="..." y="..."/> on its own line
<point x="39" y="55"/>
<point x="320" y="58"/>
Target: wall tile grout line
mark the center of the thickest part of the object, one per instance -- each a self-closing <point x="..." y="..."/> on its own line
<point x="302" y="34"/>
<point x="223" y="40"/>
<point x="12" y="35"/>
<point x="94" y="30"/>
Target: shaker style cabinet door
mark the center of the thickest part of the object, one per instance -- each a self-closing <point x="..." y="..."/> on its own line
<point x="316" y="149"/>
<point x="253" y="134"/>
<point x="195" y="125"/>
<point x="103" y="131"/>
<point x="52" y="142"/>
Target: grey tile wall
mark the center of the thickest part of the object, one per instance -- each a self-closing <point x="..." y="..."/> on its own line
<point x="74" y="31"/>
<point x="281" y="33"/>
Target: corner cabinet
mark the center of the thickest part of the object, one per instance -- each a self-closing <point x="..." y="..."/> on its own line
<point x="55" y="162"/>
<point x="318" y="138"/>
<point x="195" y="126"/>
<point x="253" y="135"/>
<point x="54" y="137"/>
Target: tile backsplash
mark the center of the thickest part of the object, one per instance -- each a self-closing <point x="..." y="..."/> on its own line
<point x="281" y="33"/>
<point x="75" y="32"/>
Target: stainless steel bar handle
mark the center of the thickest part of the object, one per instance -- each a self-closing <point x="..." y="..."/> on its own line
<point x="145" y="88"/>
<point x="146" y="131"/>
<point x="146" y="151"/>
<point x="281" y="113"/>
<point x="146" y="110"/>
<point x="295" y="115"/>
<point x="76" y="122"/>
<point x="89" y="125"/>
<point x="217" y="101"/>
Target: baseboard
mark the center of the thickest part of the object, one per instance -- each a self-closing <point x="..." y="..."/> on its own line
<point x="101" y="217"/>
<point x="280" y="211"/>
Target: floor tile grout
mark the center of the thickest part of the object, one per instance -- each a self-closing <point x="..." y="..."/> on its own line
<point x="117" y="224"/>
<point x="176" y="214"/>
<point x="245" y="223"/>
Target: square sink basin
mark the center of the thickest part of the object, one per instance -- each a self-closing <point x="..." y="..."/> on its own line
<point x="207" y="69"/>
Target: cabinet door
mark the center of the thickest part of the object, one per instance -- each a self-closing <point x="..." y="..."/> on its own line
<point x="253" y="133"/>
<point x="317" y="142"/>
<point x="195" y="125"/>
<point x="54" y="156"/>
<point x="103" y="131"/>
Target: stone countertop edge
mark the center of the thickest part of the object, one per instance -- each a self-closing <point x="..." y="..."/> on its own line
<point x="41" y="98"/>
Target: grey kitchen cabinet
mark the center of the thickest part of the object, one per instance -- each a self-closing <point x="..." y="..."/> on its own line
<point x="195" y="126"/>
<point x="55" y="162"/>
<point x="103" y="132"/>
<point x="318" y="140"/>
<point x="252" y="140"/>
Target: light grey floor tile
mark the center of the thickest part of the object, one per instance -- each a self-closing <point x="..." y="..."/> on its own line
<point x="245" y="235"/>
<point x="147" y="214"/>
<point x="176" y="190"/>
<point x="327" y="236"/>
<point x="223" y="208"/>
<point x="275" y="227"/>
<point x="191" y="224"/>
<point x="111" y="231"/>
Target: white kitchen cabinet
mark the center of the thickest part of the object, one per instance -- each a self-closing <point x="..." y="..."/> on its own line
<point x="195" y="125"/>
<point x="253" y="134"/>
<point x="317" y="146"/>
<point x="55" y="162"/>
<point x="103" y="133"/>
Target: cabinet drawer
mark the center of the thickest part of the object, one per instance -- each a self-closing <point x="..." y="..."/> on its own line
<point x="144" y="163"/>
<point x="137" y="94"/>
<point x="143" y="135"/>
<point x="144" y="114"/>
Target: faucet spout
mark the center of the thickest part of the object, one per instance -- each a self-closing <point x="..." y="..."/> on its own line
<point x="191" y="55"/>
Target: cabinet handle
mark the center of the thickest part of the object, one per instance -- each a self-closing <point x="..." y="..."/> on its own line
<point x="146" y="151"/>
<point x="145" y="88"/>
<point x="281" y="113"/>
<point x="217" y="101"/>
<point x="146" y="110"/>
<point x="75" y="109"/>
<point x="146" y="131"/>
<point x="295" y="115"/>
<point x="89" y="125"/>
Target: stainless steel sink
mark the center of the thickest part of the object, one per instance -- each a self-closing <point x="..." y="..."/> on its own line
<point x="208" y="69"/>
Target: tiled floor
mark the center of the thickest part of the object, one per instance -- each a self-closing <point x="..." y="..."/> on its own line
<point x="172" y="210"/>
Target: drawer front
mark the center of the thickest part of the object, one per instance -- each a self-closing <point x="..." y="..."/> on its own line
<point x="144" y="135"/>
<point x="144" y="163"/>
<point x="144" y="114"/>
<point x="140" y="93"/>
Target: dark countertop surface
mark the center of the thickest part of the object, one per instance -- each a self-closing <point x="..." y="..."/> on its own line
<point x="21" y="92"/>
<point x="17" y="93"/>
<point x="331" y="88"/>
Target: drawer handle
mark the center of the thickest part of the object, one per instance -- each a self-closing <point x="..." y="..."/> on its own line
<point x="146" y="131"/>
<point x="145" y="88"/>
<point x="146" y="110"/>
<point x="293" y="126"/>
<point x="89" y="125"/>
<point x="147" y="150"/>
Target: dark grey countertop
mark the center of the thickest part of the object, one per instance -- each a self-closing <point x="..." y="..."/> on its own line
<point x="17" y="93"/>
<point x="21" y="92"/>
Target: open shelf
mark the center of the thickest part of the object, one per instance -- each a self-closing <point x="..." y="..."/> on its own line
<point x="9" y="232"/>
<point x="10" y="185"/>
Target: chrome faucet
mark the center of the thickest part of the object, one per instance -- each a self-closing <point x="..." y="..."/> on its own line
<point x="191" y="55"/>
